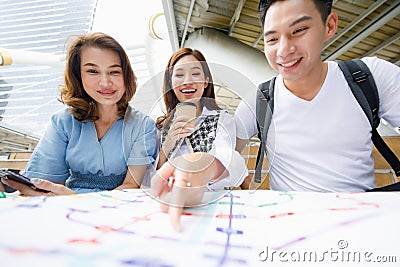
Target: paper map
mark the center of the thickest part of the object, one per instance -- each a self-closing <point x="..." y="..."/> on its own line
<point x="243" y="228"/>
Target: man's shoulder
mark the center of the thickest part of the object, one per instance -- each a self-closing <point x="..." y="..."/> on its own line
<point x="380" y="67"/>
<point x="376" y="65"/>
<point x="373" y="60"/>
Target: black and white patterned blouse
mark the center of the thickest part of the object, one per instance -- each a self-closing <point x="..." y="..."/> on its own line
<point x="202" y="138"/>
<point x="214" y="133"/>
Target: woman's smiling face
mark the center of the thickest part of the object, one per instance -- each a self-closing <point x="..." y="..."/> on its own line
<point x="102" y="75"/>
<point x="188" y="79"/>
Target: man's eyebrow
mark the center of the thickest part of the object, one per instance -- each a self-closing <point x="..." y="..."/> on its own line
<point x="297" y="21"/>
<point x="268" y="33"/>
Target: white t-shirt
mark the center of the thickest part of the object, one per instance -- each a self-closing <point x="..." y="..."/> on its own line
<point x="324" y="144"/>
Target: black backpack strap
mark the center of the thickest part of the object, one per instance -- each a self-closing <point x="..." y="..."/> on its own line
<point x="264" y="110"/>
<point x="364" y="89"/>
<point x="359" y="77"/>
<point x="386" y="152"/>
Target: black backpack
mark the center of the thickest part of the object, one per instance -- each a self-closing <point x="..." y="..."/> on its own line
<point x="364" y="89"/>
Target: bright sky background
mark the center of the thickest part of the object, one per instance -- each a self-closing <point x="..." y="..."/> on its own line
<point x="127" y="21"/>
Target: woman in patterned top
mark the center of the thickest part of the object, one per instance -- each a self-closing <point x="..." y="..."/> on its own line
<point x="90" y="144"/>
<point x="203" y="158"/>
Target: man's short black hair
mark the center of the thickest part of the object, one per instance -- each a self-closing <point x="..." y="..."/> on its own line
<point x="324" y="7"/>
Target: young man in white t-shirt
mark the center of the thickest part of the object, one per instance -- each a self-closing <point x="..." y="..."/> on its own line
<point x="319" y="138"/>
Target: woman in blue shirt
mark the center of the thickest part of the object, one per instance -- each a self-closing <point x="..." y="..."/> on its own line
<point x="89" y="145"/>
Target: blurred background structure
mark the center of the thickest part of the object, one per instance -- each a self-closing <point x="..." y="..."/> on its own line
<point x="34" y="34"/>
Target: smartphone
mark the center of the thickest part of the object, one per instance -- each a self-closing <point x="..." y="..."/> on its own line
<point x="187" y="109"/>
<point x="13" y="175"/>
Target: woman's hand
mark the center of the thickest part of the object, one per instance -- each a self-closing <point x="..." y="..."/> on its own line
<point x="181" y="182"/>
<point x="180" y="128"/>
<point x="53" y="188"/>
<point x="175" y="190"/>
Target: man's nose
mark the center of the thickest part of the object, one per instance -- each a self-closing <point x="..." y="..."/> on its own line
<point x="285" y="47"/>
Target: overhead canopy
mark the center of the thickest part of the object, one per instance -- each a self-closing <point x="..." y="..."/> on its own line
<point x="366" y="28"/>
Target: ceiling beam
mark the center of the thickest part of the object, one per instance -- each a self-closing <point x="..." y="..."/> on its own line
<point x="236" y="16"/>
<point x="169" y="12"/>
<point x="396" y="61"/>
<point x="382" y="45"/>
<point x="8" y="130"/>
<point x="364" y="32"/>
<point x="20" y="56"/>
<point x="362" y="16"/>
<point x="260" y="35"/>
<point x="189" y="15"/>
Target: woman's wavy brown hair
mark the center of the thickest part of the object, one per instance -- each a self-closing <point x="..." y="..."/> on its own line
<point x="72" y="92"/>
<point x="170" y="99"/>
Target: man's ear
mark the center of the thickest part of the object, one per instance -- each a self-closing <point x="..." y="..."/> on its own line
<point x="331" y="25"/>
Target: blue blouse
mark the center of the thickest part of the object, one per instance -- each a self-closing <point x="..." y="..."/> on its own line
<point x="70" y="152"/>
